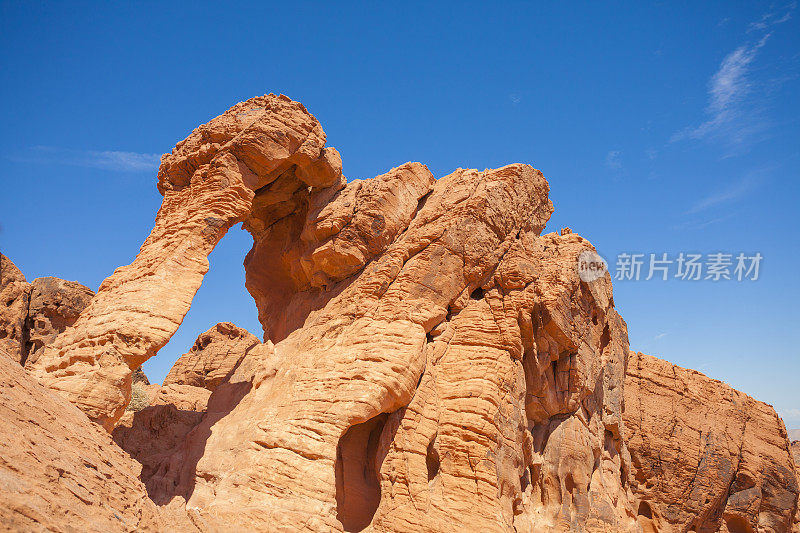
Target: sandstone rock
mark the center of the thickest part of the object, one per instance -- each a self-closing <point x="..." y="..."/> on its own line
<point x="61" y="472"/>
<point x="449" y="362"/>
<point x="150" y="434"/>
<point x="214" y="355"/>
<point x="55" y="304"/>
<point x="139" y="376"/>
<point x="431" y="361"/>
<point x="15" y="295"/>
<point x="154" y="434"/>
<point x="268" y="148"/>
<point x="705" y="457"/>
<point x="33" y="314"/>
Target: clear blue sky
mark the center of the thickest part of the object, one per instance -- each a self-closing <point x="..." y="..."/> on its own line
<point x="662" y="128"/>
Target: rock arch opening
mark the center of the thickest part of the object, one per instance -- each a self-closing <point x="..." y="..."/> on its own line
<point x="358" y="487"/>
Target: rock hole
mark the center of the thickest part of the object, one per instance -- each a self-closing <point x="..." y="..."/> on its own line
<point x="477" y="294"/>
<point x="525" y="480"/>
<point x="428" y="337"/>
<point x="645" y="510"/>
<point x="738" y="524"/>
<point x="423" y="200"/>
<point x="358" y="488"/>
<point x="432" y="460"/>
<point x="569" y="483"/>
<point x="605" y="338"/>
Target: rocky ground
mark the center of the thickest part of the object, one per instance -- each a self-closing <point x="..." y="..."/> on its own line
<point x="429" y="362"/>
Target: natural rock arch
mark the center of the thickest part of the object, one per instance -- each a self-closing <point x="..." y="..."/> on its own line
<point x="210" y="181"/>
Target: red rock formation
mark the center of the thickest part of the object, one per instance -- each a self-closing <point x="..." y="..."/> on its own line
<point x="705" y="457"/>
<point x="15" y="294"/>
<point x="214" y="355"/>
<point x="395" y="368"/>
<point x="60" y="472"/>
<point x="437" y="364"/>
<point x="55" y="304"/>
<point x="156" y="432"/>
<point x="209" y="182"/>
<point x="34" y="314"/>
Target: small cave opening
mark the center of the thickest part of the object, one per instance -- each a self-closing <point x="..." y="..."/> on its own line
<point x="477" y="294"/>
<point x="357" y="472"/>
<point x="738" y="524"/>
<point x="569" y="483"/>
<point x="525" y="480"/>
<point x="605" y="338"/>
<point x="645" y="510"/>
<point x="432" y="460"/>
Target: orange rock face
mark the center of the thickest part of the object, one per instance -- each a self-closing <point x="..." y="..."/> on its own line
<point x="55" y="305"/>
<point x="209" y="183"/>
<point x="33" y="314"/>
<point x="15" y="295"/>
<point x="705" y="457"/>
<point x="59" y="471"/>
<point x="214" y="355"/>
<point x="431" y="361"/>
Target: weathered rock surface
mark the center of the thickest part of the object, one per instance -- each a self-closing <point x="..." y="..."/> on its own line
<point x="61" y="472"/>
<point x="264" y="151"/>
<point x="432" y="362"/>
<point x="33" y="314"/>
<point x="214" y="355"/>
<point x="55" y="304"/>
<point x="705" y="457"/>
<point x="15" y="294"/>
<point x="436" y="354"/>
<point x="154" y="433"/>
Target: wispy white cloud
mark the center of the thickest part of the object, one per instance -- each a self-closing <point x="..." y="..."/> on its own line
<point x="703" y="223"/>
<point x="732" y="116"/>
<point x="112" y="160"/>
<point x="791" y="413"/>
<point x="727" y="91"/>
<point x="773" y="18"/>
<point x="660" y="336"/>
<point x="724" y="196"/>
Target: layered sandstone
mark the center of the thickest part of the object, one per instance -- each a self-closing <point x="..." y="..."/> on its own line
<point x="435" y="354"/>
<point x="705" y="457"/>
<point x="269" y="149"/>
<point x="154" y="432"/>
<point x="60" y="472"/>
<point x="215" y="354"/>
<point x="15" y="295"/>
<point x="431" y="361"/>
<point x="34" y="314"/>
<point x="55" y="305"/>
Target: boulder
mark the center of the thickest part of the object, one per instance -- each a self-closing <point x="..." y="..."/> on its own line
<point x="705" y="457"/>
<point x="214" y="355"/>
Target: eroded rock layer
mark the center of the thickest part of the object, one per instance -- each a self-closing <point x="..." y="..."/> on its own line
<point x="15" y="296"/>
<point x="209" y="183"/>
<point x="705" y="457"/>
<point x="437" y="354"/>
<point x="60" y="472"/>
<point x="215" y="354"/>
<point x="34" y="314"/>
<point x="431" y="361"/>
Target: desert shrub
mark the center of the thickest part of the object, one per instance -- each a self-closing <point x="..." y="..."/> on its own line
<point x="139" y="398"/>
